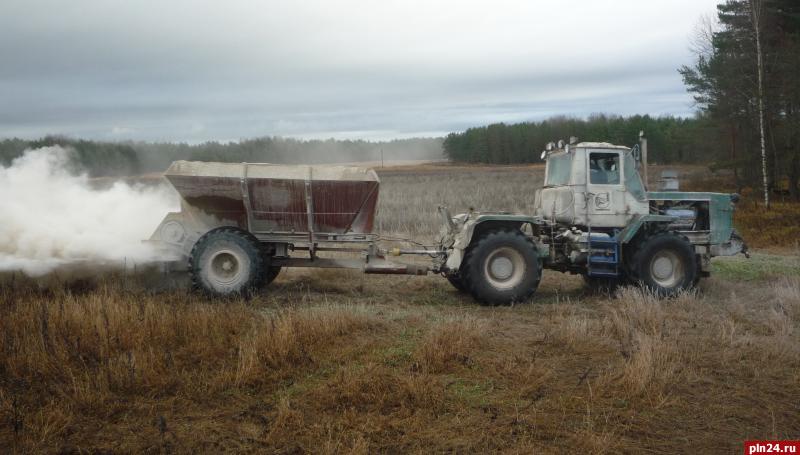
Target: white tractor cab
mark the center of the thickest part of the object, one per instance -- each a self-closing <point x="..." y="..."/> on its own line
<point x="595" y="184"/>
<point x="593" y="217"/>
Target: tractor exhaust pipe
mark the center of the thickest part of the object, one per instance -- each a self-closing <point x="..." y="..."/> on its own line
<point x="643" y="148"/>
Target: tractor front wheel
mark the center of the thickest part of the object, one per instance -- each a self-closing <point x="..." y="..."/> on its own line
<point x="665" y="263"/>
<point x="501" y="267"/>
<point x="456" y="281"/>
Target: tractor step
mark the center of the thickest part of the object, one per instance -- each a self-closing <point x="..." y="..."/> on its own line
<point x="604" y="241"/>
<point x="603" y="260"/>
<point x="604" y="257"/>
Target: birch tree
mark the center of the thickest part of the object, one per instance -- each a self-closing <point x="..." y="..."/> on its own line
<point x="756" y="8"/>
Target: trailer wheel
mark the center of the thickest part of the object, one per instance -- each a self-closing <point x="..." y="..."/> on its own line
<point x="227" y="261"/>
<point x="665" y="263"/>
<point x="501" y="267"/>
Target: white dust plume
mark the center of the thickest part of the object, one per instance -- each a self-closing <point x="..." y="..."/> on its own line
<point x="50" y="217"/>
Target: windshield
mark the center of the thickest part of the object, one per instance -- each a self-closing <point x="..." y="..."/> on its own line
<point x="559" y="168"/>
<point x="633" y="181"/>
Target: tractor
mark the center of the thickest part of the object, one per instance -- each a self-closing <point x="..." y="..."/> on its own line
<point x="593" y="217"/>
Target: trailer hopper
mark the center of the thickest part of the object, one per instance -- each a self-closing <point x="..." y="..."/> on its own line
<point x="269" y="200"/>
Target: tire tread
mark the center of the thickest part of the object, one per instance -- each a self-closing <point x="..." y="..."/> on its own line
<point x="473" y="284"/>
<point x="641" y="251"/>
<point x="252" y="248"/>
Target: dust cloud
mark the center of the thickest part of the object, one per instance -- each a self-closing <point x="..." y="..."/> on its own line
<point x="52" y="216"/>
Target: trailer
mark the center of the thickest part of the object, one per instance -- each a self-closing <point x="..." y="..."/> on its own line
<point x="241" y="223"/>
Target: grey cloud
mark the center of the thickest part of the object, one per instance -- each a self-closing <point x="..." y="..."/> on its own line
<point x="201" y="70"/>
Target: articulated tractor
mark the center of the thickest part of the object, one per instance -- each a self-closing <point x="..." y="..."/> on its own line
<point x="593" y="217"/>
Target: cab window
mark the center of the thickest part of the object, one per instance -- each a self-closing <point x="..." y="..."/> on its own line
<point x="604" y="168"/>
<point x="559" y="168"/>
<point x="633" y="182"/>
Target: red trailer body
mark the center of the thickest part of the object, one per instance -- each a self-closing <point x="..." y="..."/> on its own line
<point x="267" y="198"/>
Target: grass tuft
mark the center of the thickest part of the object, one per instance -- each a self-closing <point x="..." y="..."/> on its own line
<point x="450" y="343"/>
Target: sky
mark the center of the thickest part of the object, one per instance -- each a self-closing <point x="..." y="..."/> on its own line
<point x="198" y="70"/>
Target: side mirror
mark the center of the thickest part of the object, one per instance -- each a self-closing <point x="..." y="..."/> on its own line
<point x="543" y="155"/>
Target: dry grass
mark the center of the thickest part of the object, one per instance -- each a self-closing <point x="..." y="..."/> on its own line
<point x="650" y="340"/>
<point x="451" y="342"/>
<point x="503" y="188"/>
<point x="124" y="370"/>
<point x="336" y="362"/>
<point x="778" y="227"/>
<point x="65" y="355"/>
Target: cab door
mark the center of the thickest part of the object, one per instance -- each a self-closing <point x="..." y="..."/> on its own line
<point x="605" y="188"/>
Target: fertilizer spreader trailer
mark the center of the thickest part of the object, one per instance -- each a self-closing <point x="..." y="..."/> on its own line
<point x="240" y="224"/>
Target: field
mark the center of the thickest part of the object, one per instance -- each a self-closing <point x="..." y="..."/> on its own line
<point x="338" y="362"/>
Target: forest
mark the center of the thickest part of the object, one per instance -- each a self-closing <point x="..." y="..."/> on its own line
<point x="671" y="139"/>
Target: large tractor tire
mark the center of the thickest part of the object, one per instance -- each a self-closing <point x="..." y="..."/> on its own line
<point x="665" y="263"/>
<point x="457" y="282"/>
<point x="501" y="267"/>
<point x="227" y="261"/>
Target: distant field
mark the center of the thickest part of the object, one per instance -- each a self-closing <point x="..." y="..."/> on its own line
<point x="339" y="362"/>
<point x="410" y="196"/>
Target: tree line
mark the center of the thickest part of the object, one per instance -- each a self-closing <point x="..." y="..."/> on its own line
<point x="670" y="139"/>
<point x="133" y="158"/>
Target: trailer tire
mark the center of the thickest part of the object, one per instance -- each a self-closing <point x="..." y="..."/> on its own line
<point x="227" y="261"/>
<point x="665" y="263"/>
<point x="501" y="267"/>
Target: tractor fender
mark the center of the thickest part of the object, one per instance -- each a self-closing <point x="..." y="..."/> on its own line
<point x="630" y="231"/>
<point x="474" y="226"/>
<point x="179" y="231"/>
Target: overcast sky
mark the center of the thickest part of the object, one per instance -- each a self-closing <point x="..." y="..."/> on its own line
<point x="182" y="70"/>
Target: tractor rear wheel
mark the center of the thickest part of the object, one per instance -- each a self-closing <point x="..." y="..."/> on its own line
<point x="456" y="281"/>
<point x="501" y="267"/>
<point x="665" y="263"/>
<point x="227" y="261"/>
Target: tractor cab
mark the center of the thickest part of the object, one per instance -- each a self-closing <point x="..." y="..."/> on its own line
<point x="591" y="184"/>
